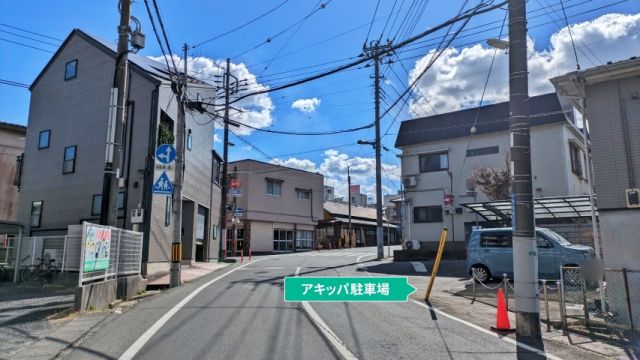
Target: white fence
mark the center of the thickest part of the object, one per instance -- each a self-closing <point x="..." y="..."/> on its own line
<point x="73" y="253"/>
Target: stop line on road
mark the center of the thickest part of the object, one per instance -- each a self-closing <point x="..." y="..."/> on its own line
<point x="335" y="254"/>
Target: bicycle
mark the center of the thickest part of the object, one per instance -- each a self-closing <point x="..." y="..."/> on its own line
<point x="43" y="272"/>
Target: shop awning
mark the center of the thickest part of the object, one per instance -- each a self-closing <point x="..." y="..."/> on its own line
<point x="544" y="208"/>
<point x="363" y="222"/>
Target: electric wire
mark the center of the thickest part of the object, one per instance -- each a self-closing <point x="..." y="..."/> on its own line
<point x="14" y="83"/>
<point x="30" y="32"/>
<point x="25" y="45"/>
<point x="29" y="38"/>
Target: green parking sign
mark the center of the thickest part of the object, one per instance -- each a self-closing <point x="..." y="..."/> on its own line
<point x="352" y="289"/>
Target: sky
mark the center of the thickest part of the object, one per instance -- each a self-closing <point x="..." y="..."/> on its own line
<point x="287" y="40"/>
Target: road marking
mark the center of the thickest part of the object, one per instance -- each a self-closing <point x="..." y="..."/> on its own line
<point x="365" y="255"/>
<point x="273" y="268"/>
<point x="133" y="350"/>
<point x="418" y="266"/>
<point x="324" y="329"/>
<point x="474" y="326"/>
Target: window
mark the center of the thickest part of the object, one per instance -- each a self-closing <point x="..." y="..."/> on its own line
<point x="36" y="214"/>
<point x="543" y="243"/>
<point x="71" y="70"/>
<point x="189" y="140"/>
<point x="304" y="240"/>
<point x="483" y="151"/>
<point x="43" y="139"/>
<point x="69" y="164"/>
<point x="216" y="170"/>
<point x="274" y="187"/>
<point x="96" y="203"/>
<point x="576" y="163"/>
<point x="496" y="239"/>
<point x="427" y="214"/>
<point x="434" y="162"/>
<point x="282" y="240"/>
<point x="303" y="194"/>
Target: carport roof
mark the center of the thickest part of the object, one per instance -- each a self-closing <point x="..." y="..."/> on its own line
<point x="544" y="208"/>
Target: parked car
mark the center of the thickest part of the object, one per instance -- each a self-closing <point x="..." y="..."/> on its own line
<point x="490" y="254"/>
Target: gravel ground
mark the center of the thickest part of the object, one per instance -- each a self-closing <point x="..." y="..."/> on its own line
<point x="24" y="311"/>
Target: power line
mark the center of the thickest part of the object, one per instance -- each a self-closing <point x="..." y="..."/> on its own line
<point x="28" y="37"/>
<point x="480" y="9"/>
<point x="270" y="39"/>
<point x="242" y="26"/>
<point x="14" y="83"/>
<point x="164" y="34"/>
<point x="30" y="32"/>
<point x="155" y="32"/>
<point x="371" y="24"/>
<point x="25" y="45"/>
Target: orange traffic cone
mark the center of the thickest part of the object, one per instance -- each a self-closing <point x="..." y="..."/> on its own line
<point x="502" y="317"/>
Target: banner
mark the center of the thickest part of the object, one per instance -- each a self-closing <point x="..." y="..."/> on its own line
<point x="97" y="245"/>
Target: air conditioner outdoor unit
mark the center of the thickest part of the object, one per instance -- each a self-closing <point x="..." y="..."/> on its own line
<point x="412" y="245"/>
<point x="411" y="180"/>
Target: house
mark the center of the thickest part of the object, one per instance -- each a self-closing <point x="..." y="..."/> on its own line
<point x="278" y="210"/>
<point x="608" y="96"/>
<point x="11" y="147"/>
<point x="441" y="153"/>
<point x="64" y="154"/>
<point x="333" y="230"/>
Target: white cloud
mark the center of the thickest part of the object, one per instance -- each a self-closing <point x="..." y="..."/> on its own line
<point x="256" y="110"/>
<point x="457" y="78"/>
<point x="216" y="138"/>
<point x="306" y="105"/>
<point x="301" y="164"/>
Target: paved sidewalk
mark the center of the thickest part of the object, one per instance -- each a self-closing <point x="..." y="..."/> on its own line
<point x="25" y="312"/>
<point x="451" y="282"/>
<point x="190" y="272"/>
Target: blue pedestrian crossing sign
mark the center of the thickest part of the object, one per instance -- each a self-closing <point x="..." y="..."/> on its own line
<point x="163" y="185"/>
<point x="165" y="154"/>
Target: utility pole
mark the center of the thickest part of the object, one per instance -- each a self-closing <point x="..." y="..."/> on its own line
<point x="115" y="126"/>
<point x="374" y="50"/>
<point x="525" y="257"/>
<point x="349" y="192"/>
<point x="225" y="168"/>
<point x="176" y="255"/>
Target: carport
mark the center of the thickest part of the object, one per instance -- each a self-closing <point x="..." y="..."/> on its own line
<point x="559" y="207"/>
<point x="10" y="240"/>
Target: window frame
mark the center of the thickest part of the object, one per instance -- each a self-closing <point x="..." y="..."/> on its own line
<point x="48" y="131"/>
<point x="303" y="194"/>
<point x="274" y="181"/>
<point x="482" y="151"/>
<point x="39" y="214"/>
<point x="576" y="162"/>
<point x="64" y="159"/>
<point x="435" y="208"/>
<point x="439" y="154"/>
<point x="75" y="70"/>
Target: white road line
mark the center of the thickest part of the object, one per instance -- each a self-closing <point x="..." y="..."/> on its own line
<point x="365" y="255"/>
<point x="418" y="266"/>
<point x="133" y="350"/>
<point x="324" y="329"/>
<point x="491" y="333"/>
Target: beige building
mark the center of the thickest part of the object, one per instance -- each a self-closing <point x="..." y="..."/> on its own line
<point x="11" y="147"/>
<point x="278" y="210"/>
<point x="439" y="153"/>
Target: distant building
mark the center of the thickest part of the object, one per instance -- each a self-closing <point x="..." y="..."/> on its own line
<point x="333" y="230"/>
<point x="11" y="147"/>
<point x="63" y="168"/>
<point x="440" y="153"/>
<point x="279" y="207"/>
<point x="329" y="193"/>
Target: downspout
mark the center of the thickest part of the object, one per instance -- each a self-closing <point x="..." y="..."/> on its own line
<point x="147" y="199"/>
<point x="129" y="124"/>
<point x="565" y="170"/>
<point x="207" y="246"/>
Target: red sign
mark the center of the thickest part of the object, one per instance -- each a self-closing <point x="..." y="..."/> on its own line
<point x="448" y="199"/>
<point x="235" y="184"/>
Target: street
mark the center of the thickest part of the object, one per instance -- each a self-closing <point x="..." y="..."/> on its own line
<point x="241" y="314"/>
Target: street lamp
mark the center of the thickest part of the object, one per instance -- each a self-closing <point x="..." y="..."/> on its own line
<point x="498" y="44"/>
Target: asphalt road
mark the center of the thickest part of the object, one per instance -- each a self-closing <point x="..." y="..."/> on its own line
<point x="242" y="315"/>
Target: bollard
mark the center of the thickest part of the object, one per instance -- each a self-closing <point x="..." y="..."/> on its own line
<point x="546" y="304"/>
<point x="505" y="285"/>
<point x="563" y="318"/>
<point x="473" y="283"/>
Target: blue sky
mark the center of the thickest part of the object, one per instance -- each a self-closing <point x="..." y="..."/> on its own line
<point x="331" y="35"/>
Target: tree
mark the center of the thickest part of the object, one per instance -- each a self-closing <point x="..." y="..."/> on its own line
<point x="495" y="183"/>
